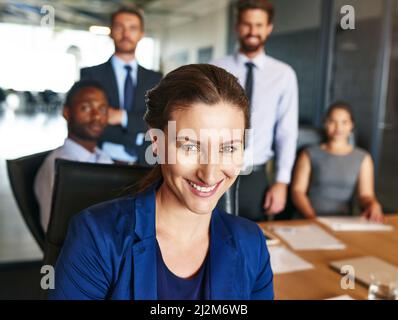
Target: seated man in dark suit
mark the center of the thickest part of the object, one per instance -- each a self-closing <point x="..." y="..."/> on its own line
<point x="125" y="83"/>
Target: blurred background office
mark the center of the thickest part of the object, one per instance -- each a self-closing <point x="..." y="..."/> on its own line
<point x="45" y="43"/>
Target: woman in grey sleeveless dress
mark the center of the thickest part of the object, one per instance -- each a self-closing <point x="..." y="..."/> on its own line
<point x="328" y="176"/>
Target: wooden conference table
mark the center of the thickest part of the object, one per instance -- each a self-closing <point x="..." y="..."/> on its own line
<point x="322" y="282"/>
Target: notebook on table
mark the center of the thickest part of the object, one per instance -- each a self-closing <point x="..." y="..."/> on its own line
<point x="308" y="237"/>
<point x="353" y="224"/>
<point x="285" y="261"/>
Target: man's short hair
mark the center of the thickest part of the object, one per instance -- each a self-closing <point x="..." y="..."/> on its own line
<point x="79" y="85"/>
<point x="264" y="5"/>
<point x="129" y="10"/>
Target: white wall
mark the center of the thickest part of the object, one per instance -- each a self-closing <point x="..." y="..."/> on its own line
<point x="209" y="29"/>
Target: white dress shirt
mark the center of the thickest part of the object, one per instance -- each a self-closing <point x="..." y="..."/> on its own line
<point x="44" y="180"/>
<point x="274" y="111"/>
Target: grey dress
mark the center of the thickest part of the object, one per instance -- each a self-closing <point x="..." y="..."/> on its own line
<point x="333" y="180"/>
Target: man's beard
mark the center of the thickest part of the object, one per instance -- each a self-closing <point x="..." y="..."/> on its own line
<point x="80" y="132"/>
<point x="250" y="48"/>
<point x="120" y="49"/>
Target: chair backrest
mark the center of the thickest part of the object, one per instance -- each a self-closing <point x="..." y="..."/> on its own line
<point x="22" y="172"/>
<point x="308" y="136"/>
<point x="229" y="202"/>
<point x="79" y="185"/>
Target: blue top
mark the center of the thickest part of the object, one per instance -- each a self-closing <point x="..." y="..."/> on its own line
<point x="172" y="287"/>
<point x="110" y="253"/>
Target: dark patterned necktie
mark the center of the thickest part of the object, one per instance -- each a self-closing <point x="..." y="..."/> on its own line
<point x="128" y="90"/>
<point x="249" y="80"/>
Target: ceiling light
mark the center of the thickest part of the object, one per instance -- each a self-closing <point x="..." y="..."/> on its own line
<point x="103" y="31"/>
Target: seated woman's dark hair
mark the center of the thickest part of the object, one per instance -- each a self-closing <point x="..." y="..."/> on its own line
<point x="341" y="105"/>
<point x="183" y="87"/>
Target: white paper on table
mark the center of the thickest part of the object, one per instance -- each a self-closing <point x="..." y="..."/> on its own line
<point x="308" y="237"/>
<point x="285" y="261"/>
<point x="343" y="297"/>
<point x="353" y="224"/>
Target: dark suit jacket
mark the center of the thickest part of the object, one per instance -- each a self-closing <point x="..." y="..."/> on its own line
<point x="110" y="253"/>
<point x="146" y="79"/>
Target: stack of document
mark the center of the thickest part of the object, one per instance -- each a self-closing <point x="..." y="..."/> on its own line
<point x="343" y="297"/>
<point x="308" y="237"/>
<point x="285" y="261"/>
<point x="366" y="266"/>
<point x="353" y="224"/>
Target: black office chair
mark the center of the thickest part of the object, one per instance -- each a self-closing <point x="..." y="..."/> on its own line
<point x="79" y="185"/>
<point x="308" y="136"/>
<point x="22" y="172"/>
<point x="229" y="202"/>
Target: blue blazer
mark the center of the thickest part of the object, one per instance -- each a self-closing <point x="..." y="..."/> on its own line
<point x="110" y="253"/>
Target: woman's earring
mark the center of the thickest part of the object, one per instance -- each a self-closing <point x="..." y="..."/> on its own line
<point x="155" y="157"/>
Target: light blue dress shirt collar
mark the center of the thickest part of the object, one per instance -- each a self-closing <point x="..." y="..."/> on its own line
<point x="259" y="61"/>
<point x="79" y="153"/>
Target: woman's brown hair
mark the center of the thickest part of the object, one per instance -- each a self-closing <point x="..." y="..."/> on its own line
<point x="183" y="87"/>
<point x="341" y="105"/>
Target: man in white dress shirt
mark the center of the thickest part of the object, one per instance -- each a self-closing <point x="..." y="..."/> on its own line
<point x="86" y="113"/>
<point x="271" y="87"/>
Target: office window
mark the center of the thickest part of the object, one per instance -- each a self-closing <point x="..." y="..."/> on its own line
<point x="205" y="55"/>
<point x="296" y="41"/>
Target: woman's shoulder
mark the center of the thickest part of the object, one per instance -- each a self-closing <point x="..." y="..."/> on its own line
<point x="312" y="149"/>
<point x="246" y="237"/>
<point x="112" y="216"/>
<point x="95" y="246"/>
<point x="311" y="152"/>
<point x="240" y="228"/>
<point x="360" y="152"/>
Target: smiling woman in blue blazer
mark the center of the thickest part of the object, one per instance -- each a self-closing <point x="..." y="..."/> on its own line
<point x="169" y="241"/>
